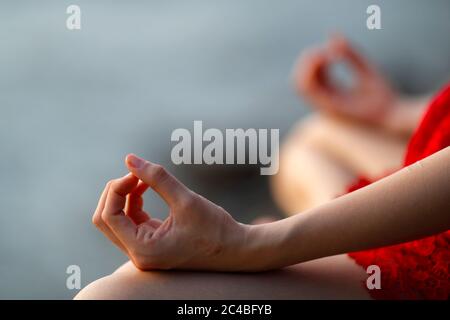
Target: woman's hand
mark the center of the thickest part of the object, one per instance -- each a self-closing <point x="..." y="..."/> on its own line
<point x="370" y="97"/>
<point x="197" y="234"/>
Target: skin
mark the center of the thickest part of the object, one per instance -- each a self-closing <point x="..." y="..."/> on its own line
<point x="361" y="130"/>
<point x="371" y="99"/>
<point x="199" y="235"/>
<point x="331" y="162"/>
<point x="381" y="214"/>
<point x="335" y="277"/>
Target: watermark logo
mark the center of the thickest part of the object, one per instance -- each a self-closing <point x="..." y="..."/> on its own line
<point x="73" y="21"/>
<point x="373" y="21"/>
<point x="73" y="281"/>
<point x="374" y="280"/>
<point x="220" y="148"/>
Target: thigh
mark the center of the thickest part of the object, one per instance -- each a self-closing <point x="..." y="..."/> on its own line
<point x="323" y="155"/>
<point x="336" y="277"/>
<point x="307" y="177"/>
<point x="363" y="149"/>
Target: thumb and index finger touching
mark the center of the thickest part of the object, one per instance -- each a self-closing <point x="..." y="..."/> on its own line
<point x="151" y="175"/>
<point x="341" y="48"/>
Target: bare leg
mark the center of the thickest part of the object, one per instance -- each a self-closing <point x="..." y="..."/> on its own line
<point x="335" y="277"/>
<point x="323" y="155"/>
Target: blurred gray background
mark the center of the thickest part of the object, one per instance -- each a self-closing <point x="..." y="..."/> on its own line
<point x="74" y="103"/>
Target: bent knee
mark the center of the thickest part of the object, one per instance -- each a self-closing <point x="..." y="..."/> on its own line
<point x="103" y="288"/>
<point x="305" y="163"/>
<point x="127" y="282"/>
<point x="307" y="130"/>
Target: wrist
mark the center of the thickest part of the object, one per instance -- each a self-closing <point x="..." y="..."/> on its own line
<point x="241" y="248"/>
<point x="280" y="244"/>
<point x="244" y="248"/>
<point x="260" y="248"/>
<point x="263" y="247"/>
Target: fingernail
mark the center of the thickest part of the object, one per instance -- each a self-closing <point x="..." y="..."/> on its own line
<point x="135" y="162"/>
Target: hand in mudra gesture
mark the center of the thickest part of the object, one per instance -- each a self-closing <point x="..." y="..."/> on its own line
<point x="371" y="97"/>
<point x="196" y="235"/>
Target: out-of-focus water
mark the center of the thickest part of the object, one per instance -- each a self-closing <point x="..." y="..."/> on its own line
<point x="73" y="103"/>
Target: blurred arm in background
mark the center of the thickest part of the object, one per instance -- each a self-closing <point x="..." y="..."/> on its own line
<point x="360" y="128"/>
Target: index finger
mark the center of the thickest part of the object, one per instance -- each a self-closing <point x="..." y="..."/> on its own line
<point x="113" y="214"/>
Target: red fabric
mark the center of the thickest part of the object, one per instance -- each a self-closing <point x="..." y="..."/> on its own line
<point x="417" y="269"/>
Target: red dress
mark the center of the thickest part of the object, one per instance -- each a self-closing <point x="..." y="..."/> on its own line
<point x="417" y="269"/>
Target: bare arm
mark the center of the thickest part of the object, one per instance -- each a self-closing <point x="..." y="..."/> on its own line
<point x="407" y="205"/>
<point x="199" y="235"/>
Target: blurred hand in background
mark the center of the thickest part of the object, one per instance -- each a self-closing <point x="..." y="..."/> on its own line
<point x="369" y="97"/>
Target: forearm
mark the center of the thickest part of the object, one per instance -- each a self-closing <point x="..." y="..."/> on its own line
<point x="407" y="205"/>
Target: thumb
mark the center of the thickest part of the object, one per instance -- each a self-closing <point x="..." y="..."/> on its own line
<point x="157" y="177"/>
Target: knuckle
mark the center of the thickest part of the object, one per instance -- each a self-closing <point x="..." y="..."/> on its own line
<point x="146" y="260"/>
<point x="189" y="200"/>
<point x="145" y="263"/>
<point x="109" y="184"/>
<point x="96" y="220"/>
<point x="105" y="218"/>
<point x="159" y="173"/>
<point x="141" y="266"/>
<point x="140" y="263"/>
<point x="113" y="183"/>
